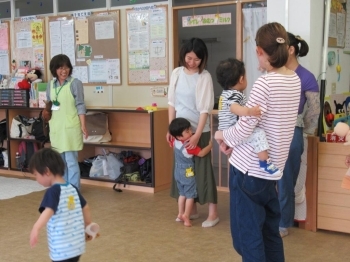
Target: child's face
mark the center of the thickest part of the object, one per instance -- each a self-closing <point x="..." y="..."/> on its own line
<point x="185" y="135"/>
<point x="43" y="179"/>
<point x="241" y="85"/>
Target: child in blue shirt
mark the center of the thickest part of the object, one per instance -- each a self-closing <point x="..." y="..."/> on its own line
<point x="63" y="209"/>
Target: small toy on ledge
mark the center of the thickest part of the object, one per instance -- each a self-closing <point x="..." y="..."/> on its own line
<point x="343" y="130"/>
<point x="92" y="231"/>
<point x="32" y="76"/>
<point x="151" y="108"/>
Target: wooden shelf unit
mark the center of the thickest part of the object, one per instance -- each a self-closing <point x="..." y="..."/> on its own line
<point x="138" y="131"/>
<point x="333" y="202"/>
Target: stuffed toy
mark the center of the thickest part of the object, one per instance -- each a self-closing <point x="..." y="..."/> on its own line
<point x="32" y="76"/>
<point x="342" y="129"/>
<point x="92" y="231"/>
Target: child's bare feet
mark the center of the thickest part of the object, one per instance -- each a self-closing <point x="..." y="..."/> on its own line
<point x="179" y="218"/>
<point x="186" y="221"/>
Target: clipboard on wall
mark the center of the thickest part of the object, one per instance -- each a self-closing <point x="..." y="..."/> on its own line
<point x="5" y="49"/>
<point x="93" y="46"/>
<point x="147" y="45"/>
<point x="30" y="41"/>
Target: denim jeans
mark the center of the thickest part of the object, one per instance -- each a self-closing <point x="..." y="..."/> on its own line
<point x="72" y="170"/>
<point x="254" y="217"/>
<point x="285" y="186"/>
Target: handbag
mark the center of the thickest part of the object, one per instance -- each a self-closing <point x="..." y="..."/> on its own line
<point x="21" y="126"/>
<point x="97" y="127"/>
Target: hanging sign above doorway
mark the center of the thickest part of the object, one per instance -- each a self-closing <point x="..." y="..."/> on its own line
<point x="203" y="20"/>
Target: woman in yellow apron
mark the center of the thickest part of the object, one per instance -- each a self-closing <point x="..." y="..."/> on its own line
<point x="67" y="124"/>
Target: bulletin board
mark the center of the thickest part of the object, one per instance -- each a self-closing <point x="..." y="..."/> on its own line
<point x="5" y="49"/>
<point x="337" y="31"/>
<point x="92" y="42"/>
<point x="147" y="45"/>
<point x="337" y="25"/>
<point x="29" y="46"/>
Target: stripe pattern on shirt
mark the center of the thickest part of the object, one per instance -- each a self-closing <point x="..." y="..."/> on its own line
<point x="278" y="97"/>
<point x="227" y="98"/>
<point x="66" y="230"/>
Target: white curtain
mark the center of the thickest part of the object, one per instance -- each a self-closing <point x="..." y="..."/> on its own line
<point x="253" y="18"/>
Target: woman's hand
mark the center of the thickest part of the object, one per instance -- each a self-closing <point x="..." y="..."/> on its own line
<point x="192" y="142"/>
<point x="169" y="139"/>
<point x="219" y="137"/>
<point x="85" y="132"/>
<point x="347" y="160"/>
<point x="225" y="148"/>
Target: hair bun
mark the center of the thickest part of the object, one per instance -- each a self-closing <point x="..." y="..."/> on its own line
<point x="299" y="38"/>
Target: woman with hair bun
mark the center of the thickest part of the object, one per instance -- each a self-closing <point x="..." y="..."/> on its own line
<point x="306" y="123"/>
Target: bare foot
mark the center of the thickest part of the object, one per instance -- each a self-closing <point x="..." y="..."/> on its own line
<point x="186" y="221"/>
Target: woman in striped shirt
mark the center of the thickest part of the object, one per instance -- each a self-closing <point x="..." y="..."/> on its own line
<point x="254" y="205"/>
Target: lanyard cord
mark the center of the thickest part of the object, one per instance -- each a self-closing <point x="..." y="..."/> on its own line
<point x="55" y="102"/>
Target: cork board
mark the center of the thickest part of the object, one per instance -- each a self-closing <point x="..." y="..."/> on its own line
<point x="337" y="25"/>
<point x="5" y="48"/>
<point x="147" y="45"/>
<point x="29" y="36"/>
<point x="96" y="42"/>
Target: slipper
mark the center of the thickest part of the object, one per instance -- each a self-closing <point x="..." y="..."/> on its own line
<point x="211" y="223"/>
<point x="192" y="217"/>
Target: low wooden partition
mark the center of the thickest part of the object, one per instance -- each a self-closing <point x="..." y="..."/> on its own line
<point x="311" y="185"/>
<point x="333" y="202"/>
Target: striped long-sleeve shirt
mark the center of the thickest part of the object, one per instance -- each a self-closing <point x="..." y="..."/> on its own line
<point x="278" y="97"/>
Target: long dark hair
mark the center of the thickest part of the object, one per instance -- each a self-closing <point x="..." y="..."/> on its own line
<point x="197" y="46"/>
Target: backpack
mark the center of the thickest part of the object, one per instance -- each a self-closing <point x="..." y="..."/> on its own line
<point x="40" y="130"/>
<point x="3" y="131"/>
<point x="146" y="170"/>
<point x="26" y="150"/>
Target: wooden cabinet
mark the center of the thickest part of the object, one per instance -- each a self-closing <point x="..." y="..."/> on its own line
<point x="138" y="131"/>
<point x="333" y="202"/>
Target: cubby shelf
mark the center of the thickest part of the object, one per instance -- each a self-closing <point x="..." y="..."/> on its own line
<point x="131" y="129"/>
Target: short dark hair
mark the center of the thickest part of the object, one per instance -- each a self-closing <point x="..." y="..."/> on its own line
<point x="59" y="61"/>
<point x="47" y="159"/>
<point x="228" y="72"/>
<point x="295" y="40"/>
<point x="178" y="125"/>
<point x="266" y="38"/>
<point x="197" y="46"/>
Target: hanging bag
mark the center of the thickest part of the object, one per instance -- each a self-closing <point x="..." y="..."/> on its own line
<point x="21" y="126"/>
<point x="97" y="127"/>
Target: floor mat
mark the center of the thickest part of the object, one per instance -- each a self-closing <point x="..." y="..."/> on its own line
<point x="12" y="187"/>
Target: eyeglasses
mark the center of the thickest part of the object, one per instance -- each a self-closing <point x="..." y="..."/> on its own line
<point x="63" y="68"/>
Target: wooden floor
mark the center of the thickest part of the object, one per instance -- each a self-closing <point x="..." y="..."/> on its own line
<point x="141" y="227"/>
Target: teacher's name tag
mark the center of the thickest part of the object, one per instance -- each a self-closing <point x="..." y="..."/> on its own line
<point x="55" y="108"/>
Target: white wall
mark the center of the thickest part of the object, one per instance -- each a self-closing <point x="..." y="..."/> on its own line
<point x="306" y="18"/>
